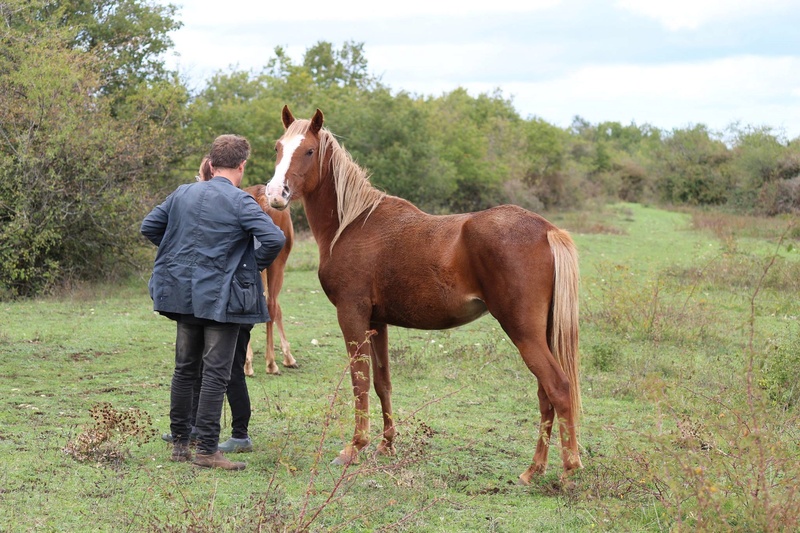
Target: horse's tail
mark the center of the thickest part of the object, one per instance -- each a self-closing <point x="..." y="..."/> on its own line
<point x="564" y="339"/>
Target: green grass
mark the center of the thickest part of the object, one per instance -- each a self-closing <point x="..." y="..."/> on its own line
<point x="672" y="436"/>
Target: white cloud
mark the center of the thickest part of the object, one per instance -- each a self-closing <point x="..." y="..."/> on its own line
<point x="562" y="67"/>
<point x="751" y="90"/>
<point x="436" y="61"/>
<point x="691" y="14"/>
<point x="195" y="12"/>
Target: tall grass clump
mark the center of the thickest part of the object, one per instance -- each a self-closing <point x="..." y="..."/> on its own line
<point x="653" y="309"/>
<point x="711" y="456"/>
<point x="780" y="370"/>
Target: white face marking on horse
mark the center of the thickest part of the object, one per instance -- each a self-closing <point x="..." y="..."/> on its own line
<point x="276" y="184"/>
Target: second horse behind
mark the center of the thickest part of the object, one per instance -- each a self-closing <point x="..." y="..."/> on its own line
<point x="273" y="282"/>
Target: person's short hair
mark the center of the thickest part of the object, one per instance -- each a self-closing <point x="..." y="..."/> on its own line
<point x="228" y="151"/>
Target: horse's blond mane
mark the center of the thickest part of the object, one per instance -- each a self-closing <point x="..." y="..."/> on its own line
<point x="354" y="192"/>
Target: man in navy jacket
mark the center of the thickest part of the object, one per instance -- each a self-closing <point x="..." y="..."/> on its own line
<point x="213" y="240"/>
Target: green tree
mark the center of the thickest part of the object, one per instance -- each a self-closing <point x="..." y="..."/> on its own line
<point x="346" y="66"/>
<point x="242" y="103"/>
<point x="465" y="127"/>
<point x="693" y="168"/>
<point x="250" y="104"/>
<point x="545" y="154"/>
<point x="389" y="135"/>
<point x="761" y="166"/>
<point x="128" y="36"/>
<point x="71" y="173"/>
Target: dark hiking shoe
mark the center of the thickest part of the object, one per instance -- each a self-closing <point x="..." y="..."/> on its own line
<point x="181" y="453"/>
<point x="216" y="460"/>
<point x="167" y="437"/>
<point x="236" y="445"/>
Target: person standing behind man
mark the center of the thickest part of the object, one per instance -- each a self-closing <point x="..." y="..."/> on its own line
<point x="237" y="393"/>
<point x="213" y="240"/>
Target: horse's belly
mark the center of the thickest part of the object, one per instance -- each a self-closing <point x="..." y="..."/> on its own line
<point x="426" y="314"/>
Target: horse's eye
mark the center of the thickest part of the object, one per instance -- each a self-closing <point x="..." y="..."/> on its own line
<point x="310" y="151"/>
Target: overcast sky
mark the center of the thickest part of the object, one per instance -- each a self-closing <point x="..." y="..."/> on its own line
<point x="671" y="64"/>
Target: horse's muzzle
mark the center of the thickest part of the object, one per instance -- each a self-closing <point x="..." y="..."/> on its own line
<point x="278" y="198"/>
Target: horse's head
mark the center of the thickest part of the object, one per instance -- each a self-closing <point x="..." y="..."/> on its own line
<point x="297" y="164"/>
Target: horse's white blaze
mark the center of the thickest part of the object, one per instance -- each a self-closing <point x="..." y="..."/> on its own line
<point x="276" y="184"/>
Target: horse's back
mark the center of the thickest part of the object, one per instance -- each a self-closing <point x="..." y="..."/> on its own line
<point x="438" y="271"/>
<point x="507" y="233"/>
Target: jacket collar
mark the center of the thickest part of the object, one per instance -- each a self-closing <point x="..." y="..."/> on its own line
<point x="221" y="178"/>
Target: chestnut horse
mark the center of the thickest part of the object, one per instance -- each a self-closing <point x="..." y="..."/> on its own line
<point x="384" y="262"/>
<point x="272" y="277"/>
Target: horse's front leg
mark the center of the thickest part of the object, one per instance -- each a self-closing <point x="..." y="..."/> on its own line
<point x="248" y="361"/>
<point x="275" y="273"/>
<point x="288" y="360"/>
<point x="356" y="339"/>
<point x="269" y="351"/>
<point x="383" y="386"/>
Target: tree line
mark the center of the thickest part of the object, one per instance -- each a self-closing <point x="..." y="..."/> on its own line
<point x="94" y="129"/>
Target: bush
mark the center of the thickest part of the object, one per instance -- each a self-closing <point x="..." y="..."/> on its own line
<point x="73" y="161"/>
<point x="780" y="197"/>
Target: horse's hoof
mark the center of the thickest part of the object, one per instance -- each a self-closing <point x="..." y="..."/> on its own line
<point x="533" y="470"/>
<point x="567" y="483"/>
<point x="345" y="457"/>
<point x="295" y="365"/>
<point x="385" y="449"/>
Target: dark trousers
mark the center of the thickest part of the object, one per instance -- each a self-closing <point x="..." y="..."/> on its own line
<point x="238" y="396"/>
<point x="205" y="350"/>
<point x="237" y="393"/>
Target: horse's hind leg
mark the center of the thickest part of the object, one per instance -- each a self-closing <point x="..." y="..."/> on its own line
<point x="383" y="386"/>
<point x="539" y="465"/>
<point x="554" y="399"/>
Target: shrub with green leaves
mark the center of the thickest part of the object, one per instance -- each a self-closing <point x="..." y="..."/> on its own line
<point x="780" y="371"/>
<point x="74" y="155"/>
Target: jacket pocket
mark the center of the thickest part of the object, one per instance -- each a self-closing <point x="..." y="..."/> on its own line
<point x="244" y="297"/>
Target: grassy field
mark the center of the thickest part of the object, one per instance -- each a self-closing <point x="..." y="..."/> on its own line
<point x="691" y="365"/>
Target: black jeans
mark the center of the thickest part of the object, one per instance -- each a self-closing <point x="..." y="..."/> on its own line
<point x="237" y="393"/>
<point x="238" y="396"/>
<point x="206" y="348"/>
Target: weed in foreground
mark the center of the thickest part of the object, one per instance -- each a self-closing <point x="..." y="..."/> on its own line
<point x="107" y="441"/>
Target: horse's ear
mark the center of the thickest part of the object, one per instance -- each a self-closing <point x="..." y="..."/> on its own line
<point x="316" y="122"/>
<point x="286" y="116"/>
